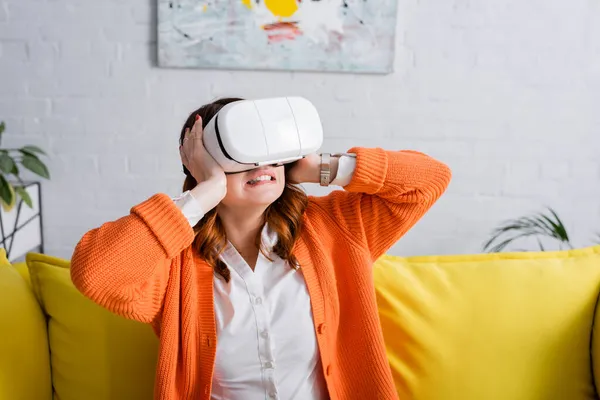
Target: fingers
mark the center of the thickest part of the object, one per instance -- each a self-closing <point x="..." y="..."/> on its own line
<point x="186" y="134"/>
<point x="194" y="133"/>
<point x="197" y="128"/>
<point x="183" y="156"/>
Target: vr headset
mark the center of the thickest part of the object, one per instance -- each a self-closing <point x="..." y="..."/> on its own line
<point x="248" y="134"/>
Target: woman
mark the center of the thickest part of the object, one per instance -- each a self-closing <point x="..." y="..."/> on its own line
<point x="256" y="290"/>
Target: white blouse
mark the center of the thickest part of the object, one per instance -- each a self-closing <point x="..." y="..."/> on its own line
<point x="266" y="347"/>
<point x="266" y="341"/>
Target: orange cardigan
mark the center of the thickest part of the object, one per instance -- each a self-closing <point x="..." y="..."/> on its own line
<point x="142" y="267"/>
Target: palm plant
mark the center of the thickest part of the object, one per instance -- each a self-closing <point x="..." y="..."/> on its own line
<point x="10" y="159"/>
<point x="539" y="225"/>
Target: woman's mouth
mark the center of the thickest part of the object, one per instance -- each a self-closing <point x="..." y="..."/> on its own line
<point x="261" y="180"/>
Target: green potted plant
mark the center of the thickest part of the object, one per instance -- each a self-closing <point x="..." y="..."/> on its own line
<point x="12" y="185"/>
<point x="540" y="226"/>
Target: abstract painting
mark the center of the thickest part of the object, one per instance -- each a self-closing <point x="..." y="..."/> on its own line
<point x="294" y="35"/>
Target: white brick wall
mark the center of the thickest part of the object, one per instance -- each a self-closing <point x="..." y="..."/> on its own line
<point x="506" y="92"/>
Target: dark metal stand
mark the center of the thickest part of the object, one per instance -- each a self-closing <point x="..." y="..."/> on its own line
<point x="7" y="241"/>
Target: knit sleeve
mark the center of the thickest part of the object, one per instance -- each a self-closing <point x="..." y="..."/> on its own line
<point x="124" y="265"/>
<point x="389" y="192"/>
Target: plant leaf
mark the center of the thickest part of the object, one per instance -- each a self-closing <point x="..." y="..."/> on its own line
<point x="561" y="229"/>
<point x="554" y="229"/>
<point x="540" y="244"/>
<point x="500" y="246"/>
<point x="537" y="225"/>
<point x="518" y="225"/>
<point x="7" y="164"/>
<point x="540" y="224"/>
<point x="34" y="164"/>
<point x="32" y="150"/>
<point x="2" y="127"/>
<point x="24" y="195"/>
<point x="6" y="194"/>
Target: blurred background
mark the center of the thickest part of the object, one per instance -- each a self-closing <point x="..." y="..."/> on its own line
<point x="506" y="92"/>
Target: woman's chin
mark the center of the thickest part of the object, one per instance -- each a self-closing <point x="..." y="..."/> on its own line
<point x="254" y="197"/>
<point x="263" y="199"/>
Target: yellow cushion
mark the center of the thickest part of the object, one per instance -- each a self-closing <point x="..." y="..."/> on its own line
<point x="95" y="355"/>
<point x="490" y="326"/>
<point x="23" y="271"/>
<point x="24" y="355"/>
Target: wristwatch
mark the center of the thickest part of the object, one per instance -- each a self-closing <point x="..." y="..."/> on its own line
<point x="326" y="166"/>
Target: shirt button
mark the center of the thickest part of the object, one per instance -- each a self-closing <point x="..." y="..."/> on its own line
<point x="258" y="301"/>
<point x="321" y="329"/>
<point x="328" y="371"/>
<point x="268" y="365"/>
<point x="264" y="334"/>
<point x="272" y="395"/>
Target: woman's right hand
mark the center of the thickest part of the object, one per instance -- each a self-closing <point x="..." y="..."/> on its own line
<point x="196" y="159"/>
<point x="210" y="177"/>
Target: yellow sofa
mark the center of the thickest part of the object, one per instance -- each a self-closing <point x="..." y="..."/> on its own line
<point x="506" y="326"/>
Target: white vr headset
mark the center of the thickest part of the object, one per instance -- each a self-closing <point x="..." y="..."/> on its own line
<point x="247" y="134"/>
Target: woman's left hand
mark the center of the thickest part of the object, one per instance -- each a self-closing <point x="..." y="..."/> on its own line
<point x="305" y="170"/>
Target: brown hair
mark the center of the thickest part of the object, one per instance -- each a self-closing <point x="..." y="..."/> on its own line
<point x="284" y="216"/>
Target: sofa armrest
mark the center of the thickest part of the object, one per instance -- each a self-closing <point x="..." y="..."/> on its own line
<point x="24" y="354"/>
<point x="595" y="346"/>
